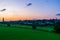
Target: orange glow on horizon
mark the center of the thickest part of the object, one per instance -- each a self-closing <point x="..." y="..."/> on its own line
<point x="8" y="18"/>
<point x="16" y="18"/>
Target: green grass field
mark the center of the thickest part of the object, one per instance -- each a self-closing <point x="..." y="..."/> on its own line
<point x="23" y="32"/>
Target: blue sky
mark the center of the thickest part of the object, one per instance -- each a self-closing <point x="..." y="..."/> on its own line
<point x="40" y="9"/>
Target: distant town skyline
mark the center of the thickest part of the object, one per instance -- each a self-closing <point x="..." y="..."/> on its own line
<point x="40" y="9"/>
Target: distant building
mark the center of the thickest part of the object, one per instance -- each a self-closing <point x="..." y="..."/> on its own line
<point x="3" y="19"/>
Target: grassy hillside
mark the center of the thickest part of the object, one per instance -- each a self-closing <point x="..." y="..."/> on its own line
<point x="12" y="33"/>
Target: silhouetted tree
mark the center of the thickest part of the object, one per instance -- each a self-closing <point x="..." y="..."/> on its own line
<point x="33" y="25"/>
<point x="8" y="24"/>
<point x="57" y="27"/>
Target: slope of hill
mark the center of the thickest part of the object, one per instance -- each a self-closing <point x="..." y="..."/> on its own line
<point x="7" y="33"/>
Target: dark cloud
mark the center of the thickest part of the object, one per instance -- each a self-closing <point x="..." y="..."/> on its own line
<point x="2" y="10"/>
<point x="58" y="14"/>
<point x="29" y="4"/>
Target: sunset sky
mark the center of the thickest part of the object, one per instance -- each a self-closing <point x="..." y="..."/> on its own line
<point x="40" y="9"/>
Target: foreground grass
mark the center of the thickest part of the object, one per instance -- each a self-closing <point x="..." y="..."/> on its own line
<point x="7" y="33"/>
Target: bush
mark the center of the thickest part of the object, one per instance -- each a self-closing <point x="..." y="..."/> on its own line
<point x="33" y="27"/>
<point x="57" y="27"/>
<point x="8" y="25"/>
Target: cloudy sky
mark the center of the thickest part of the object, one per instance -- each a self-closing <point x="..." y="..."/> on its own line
<point x="40" y="9"/>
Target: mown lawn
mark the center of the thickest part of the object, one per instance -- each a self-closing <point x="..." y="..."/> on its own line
<point x="12" y="33"/>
